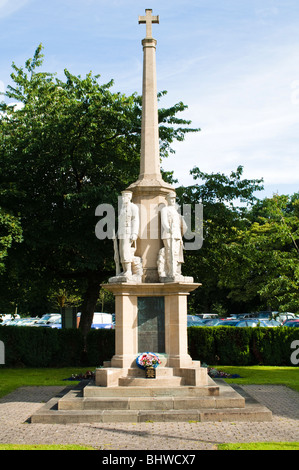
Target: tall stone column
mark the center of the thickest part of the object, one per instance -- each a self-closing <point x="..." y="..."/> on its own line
<point x="150" y="154"/>
<point x="149" y="190"/>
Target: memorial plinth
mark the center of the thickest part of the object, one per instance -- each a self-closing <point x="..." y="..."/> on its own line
<point x="137" y="305"/>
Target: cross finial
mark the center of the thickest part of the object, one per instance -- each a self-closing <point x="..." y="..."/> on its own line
<point x="148" y="19"/>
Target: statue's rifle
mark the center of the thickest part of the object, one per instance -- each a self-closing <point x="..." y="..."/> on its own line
<point x="171" y="253"/>
<point x="116" y="254"/>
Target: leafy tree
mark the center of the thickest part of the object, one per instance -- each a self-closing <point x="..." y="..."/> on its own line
<point x="71" y="145"/>
<point x="263" y="259"/>
<point x="10" y="232"/>
<point x="226" y="201"/>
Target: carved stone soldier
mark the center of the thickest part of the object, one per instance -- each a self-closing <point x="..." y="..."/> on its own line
<point x="128" y="229"/>
<point x="173" y="228"/>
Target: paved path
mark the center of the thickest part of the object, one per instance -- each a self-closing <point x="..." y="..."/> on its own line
<point x="17" y="407"/>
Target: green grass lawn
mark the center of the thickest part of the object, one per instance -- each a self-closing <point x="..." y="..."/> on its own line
<point x="263" y="375"/>
<point x="10" y="379"/>
<point x="260" y="446"/>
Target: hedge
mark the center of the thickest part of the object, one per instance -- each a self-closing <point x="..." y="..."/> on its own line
<point x="242" y="346"/>
<point x="47" y="347"/>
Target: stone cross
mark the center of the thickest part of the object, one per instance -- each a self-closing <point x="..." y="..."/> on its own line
<point x="148" y="19"/>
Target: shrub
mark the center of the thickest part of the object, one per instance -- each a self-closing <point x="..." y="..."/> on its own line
<point x="232" y="345"/>
<point x="49" y="347"/>
<point x="201" y="344"/>
<point x="242" y="346"/>
<point x="100" y="346"/>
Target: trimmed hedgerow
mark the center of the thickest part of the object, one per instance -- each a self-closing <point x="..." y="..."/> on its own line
<point x="41" y="347"/>
<point x="242" y="346"/>
<point x="47" y="347"/>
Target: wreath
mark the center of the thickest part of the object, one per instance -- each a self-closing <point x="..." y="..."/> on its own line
<point x="147" y="359"/>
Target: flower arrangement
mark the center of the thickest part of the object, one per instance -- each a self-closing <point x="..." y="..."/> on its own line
<point x="147" y="359"/>
<point x="219" y="374"/>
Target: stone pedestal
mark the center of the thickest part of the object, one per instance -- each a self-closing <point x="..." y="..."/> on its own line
<point x="171" y="343"/>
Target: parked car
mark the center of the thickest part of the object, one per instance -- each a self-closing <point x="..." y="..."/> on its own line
<point x="272" y="323"/>
<point x="194" y="320"/>
<point x="265" y="315"/>
<point x="285" y="316"/>
<point x="14" y="322"/>
<point x="5" y="319"/>
<point x="203" y="316"/>
<point x="246" y="315"/>
<point x="228" y="322"/>
<point x="211" y="322"/>
<point x="27" y="321"/>
<point x="292" y="323"/>
<point x="54" y="324"/>
<point x="47" y="319"/>
<point x="100" y="320"/>
<point x="252" y="322"/>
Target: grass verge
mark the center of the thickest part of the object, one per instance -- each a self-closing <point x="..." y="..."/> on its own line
<point x="260" y="446"/>
<point x="43" y="447"/>
<point x="263" y="375"/>
<point x="11" y="378"/>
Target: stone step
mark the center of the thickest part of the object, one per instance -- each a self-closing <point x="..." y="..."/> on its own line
<point x="193" y="375"/>
<point x="160" y="372"/>
<point x="160" y="381"/>
<point x="232" y="404"/>
<point x="165" y="377"/>
<point x="92" y="390"/>
<point x="149" y="403"/>
<point x="48" y="415"/>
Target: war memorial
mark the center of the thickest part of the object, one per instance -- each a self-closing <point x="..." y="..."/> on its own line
<point x="151" y="376"/>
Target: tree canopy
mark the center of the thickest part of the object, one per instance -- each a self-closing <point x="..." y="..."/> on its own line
<point x="262" y="260"/>
<point x="70" y="145"/>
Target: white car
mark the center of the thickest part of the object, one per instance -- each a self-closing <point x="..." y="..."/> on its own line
<point x="100" y="320"/>
<point x="6" y="319"/>
<point x="47" y="319"/>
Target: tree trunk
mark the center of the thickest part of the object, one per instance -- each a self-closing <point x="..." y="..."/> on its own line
<point x="89" y="304"/>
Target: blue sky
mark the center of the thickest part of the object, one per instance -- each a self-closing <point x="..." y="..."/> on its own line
<point x="235" y="63"/>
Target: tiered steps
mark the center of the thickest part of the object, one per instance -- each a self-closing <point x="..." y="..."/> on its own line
<point x="154" y="403"/>
<point x="164" y="378"/>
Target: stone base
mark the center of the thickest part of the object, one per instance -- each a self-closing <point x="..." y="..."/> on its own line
<point x="165" y="376"/>
<point x="92" y="404"/>
<point x="128" y="396"/>
<point x="177" y="278"/>
<point x="128" y="295"/>
<point x="122" y="278"/>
